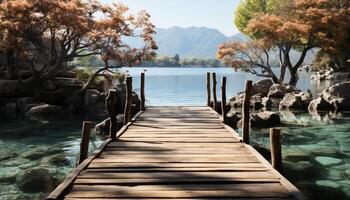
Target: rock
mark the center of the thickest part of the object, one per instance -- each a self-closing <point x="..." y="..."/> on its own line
<point x="25" y="103"/>
<point x="265" y="152"/>
<point x="295" y="154"/>
<point x="8" y="174"/>
<point x="102" y="129"/>
<point x="5" y="155"/>
<point x="9" y="111"/>
<point x="45" y="112"/>
<point x="267" y="103"/>
<point x="35" y="180"/>
<point x="301" y="169"/>
<point x="255" y="101"/>
<point x="121" y="94"/>
<point x="58" y="160"/>
<point x="320" y="192"/>
<point x="265" y="119"/>
<point x="328" y="183"/>
<point x="94" y="103"/>
<point x="327" y="151"/>
<point x="293" y="101"/>
<point x="328" y="161"/>
<point x="338" y="96"/>
<point x="279" y="90"/>
<point x="262" y="87"/>
<point x="40" y="152"/>
<point x="319" y="104"/>
<point x="232" y="119"/>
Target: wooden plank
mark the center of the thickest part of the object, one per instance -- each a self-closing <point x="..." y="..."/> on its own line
<point x="184" y="190"/>
<point x="179" y="139"/>
<point x="132" y="182"/>
<point x="178" y="175"/>
<point x="230" y="166"/>
<point x="206" y="198"/>
<point x="179" y="160"/>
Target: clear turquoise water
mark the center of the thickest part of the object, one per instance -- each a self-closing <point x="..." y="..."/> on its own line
<point x="174" y="86"/>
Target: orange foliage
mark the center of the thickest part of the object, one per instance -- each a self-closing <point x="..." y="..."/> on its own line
<point x="59" y="31"/>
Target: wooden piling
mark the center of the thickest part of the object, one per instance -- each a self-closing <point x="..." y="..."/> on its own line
<point x="142" y="106"/>
<point x="223" y="99"/>
<point x="214" y="91"/>
<point x="112" y="112"/>
<point x="128" y="99"/>
<point x="245" y="111"/>
<point x="275" y="145"/>
<point x="84" y="143"/>
<point x="208" y="90"/>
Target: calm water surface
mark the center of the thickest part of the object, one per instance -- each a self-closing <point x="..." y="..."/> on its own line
<point x="316" y="149"/>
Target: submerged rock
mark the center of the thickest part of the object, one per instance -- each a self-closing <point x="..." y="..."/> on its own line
<point x="328" y="183"/>
<point x="328" y="161"/>
<point x="35" y="180"/>
<point x="45" y="112"/>
<point x="295" y="154"/>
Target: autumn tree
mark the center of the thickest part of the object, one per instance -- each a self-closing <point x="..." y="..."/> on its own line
<point x="49" y="35"/>
<point x="285" y="26"/>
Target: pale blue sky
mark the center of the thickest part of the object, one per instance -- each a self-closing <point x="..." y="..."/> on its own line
<point x="167" y="13"/>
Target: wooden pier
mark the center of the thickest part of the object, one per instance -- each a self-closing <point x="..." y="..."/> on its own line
<point x="176" y="153"/>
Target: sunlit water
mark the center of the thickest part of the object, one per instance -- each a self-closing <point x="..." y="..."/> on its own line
<point x="316" y="149"/>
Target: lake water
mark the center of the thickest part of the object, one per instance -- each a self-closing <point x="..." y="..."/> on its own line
<point x="187" y="86"/>
<point x="316" y="149"/>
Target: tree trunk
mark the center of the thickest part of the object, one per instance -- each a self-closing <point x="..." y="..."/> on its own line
<point x="10" y="66"/>
<point x="294" y="76"/>
<point x="282" y="73"/>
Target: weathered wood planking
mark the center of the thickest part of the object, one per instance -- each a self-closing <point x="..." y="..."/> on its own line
<point x="179" y="153"/>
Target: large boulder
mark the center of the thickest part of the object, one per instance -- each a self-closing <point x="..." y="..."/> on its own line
<point x="35" y="180"/>
<point x="319" y="104"/>
<point x="279" y="90"/>
<point x="262" y="87"/>
<point x="255" y="101"/>
<point x="45" y="112"/>
<point x="293" y="101"/>
<point x="121" y="98"/>
<point x="265" y="119"/>
<point x="338" y="96"/>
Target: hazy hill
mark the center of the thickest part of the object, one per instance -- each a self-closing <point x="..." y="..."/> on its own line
<point x="200" y="42"/>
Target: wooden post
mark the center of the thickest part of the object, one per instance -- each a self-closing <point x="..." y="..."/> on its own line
<point x="245" y="110"/>
<point x="128" y="99"/>
<point x="142" y="107"/>
<point x="275" y="143"/>
<point x="112" y="112"/>
<point x="208" y="90"/>
<point x="223" y="99"/>
<point x="214" y="91"/>
<point x="84" y="143"/>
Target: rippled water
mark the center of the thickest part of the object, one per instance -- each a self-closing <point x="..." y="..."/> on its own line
<point x="310" y="143"/>
<point x="316" y="153"/>
<point x="43" y="154"/>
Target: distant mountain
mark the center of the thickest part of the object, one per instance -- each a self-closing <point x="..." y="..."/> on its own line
<point x="200" y="42"/>
<point x="189" y="42"/>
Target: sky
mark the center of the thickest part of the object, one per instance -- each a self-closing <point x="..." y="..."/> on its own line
<point x="217" y="14"/>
